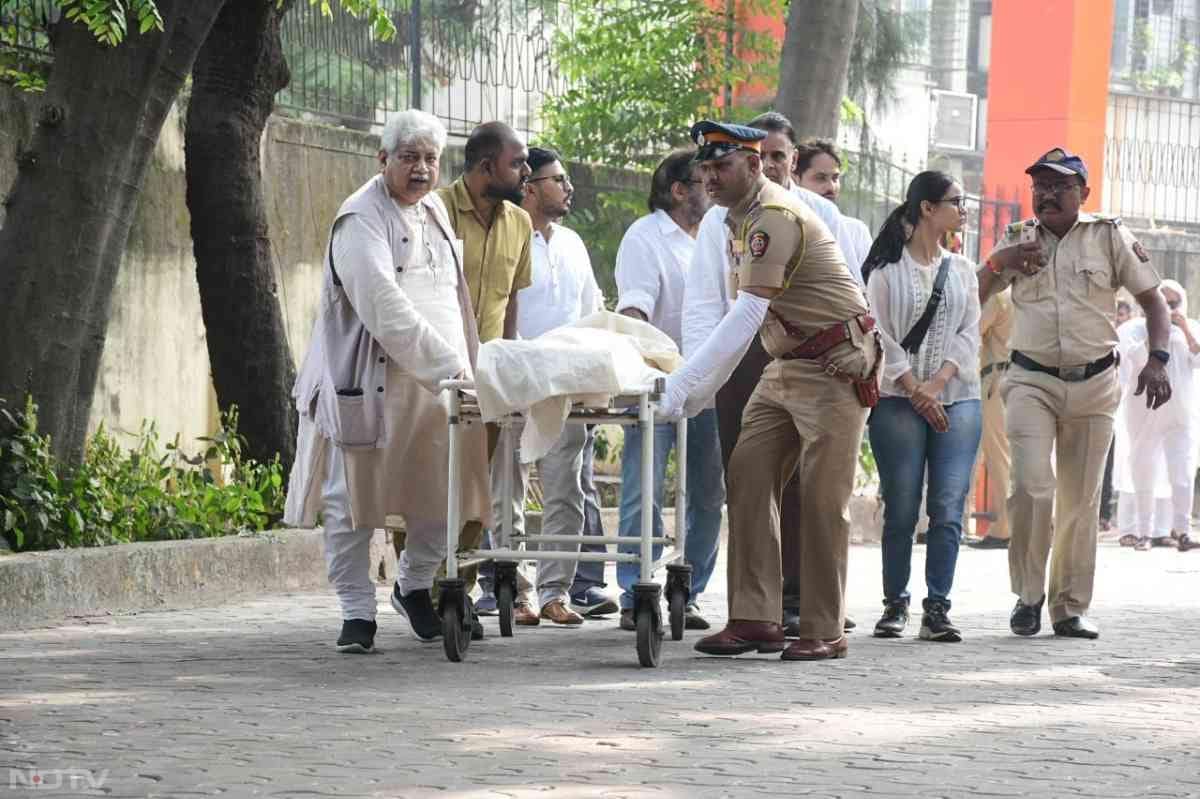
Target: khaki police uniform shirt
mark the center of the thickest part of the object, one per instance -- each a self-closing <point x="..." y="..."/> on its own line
<point x="497" y="260"/>
<point x="995" y="327"/>
<point x="777" y="242"/>
<point x="1065" y="315"/>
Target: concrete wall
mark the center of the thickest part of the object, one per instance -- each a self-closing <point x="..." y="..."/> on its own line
<point x="155" y="365"/>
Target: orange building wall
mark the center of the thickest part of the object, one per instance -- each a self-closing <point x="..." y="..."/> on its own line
<point x="1047" y="87"/>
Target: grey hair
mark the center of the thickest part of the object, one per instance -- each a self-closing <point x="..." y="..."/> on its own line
<point x="409" y="126"/>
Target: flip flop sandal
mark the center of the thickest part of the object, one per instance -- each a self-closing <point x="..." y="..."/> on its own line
<point x="1127" y="540"/>
<point x="1185" y="542"/>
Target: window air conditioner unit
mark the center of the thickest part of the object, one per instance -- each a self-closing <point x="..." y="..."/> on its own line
<point x="955" y="118"/>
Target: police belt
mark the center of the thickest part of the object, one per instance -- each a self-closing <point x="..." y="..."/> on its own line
<point x="1069" y="374"/>
<point x="820" y="343"/>
<point x="998" y="366"/>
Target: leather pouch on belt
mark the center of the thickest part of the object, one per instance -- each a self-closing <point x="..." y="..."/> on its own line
<point x="870" y="349"/>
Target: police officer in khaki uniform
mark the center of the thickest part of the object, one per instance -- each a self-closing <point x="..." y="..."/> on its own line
<point x="1061" y="391"/>
<point x="791" y="285"/>
<point x="995" y="326"/>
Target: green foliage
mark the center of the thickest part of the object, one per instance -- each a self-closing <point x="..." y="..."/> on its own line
<point x="602" y="228"/>
<point x="143" y="494"/>
<point x="640" y="72"/>
<point x="884" y="41"/>
<point x="868" y="470"/>
<point x="1161" y="78"/>
<point x="24" y="24"/>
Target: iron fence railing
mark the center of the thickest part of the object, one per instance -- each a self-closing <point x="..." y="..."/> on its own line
<point x="1156" y="47"/>
<point x="24" y="27"/>
<point x="1152" y="158"/>
<point x="465" y="61"/>
<point x="873" y="186"/>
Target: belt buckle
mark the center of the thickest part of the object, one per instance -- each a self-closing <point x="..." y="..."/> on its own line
<point x="1072" y="374"/>
<point x="831" y="369"/>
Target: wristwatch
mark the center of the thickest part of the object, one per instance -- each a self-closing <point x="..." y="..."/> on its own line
<point x="1162" y="355"/>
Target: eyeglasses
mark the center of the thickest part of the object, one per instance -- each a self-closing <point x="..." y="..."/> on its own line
<point x="959" y="202"/>
<point x="562" y="180"/>
<point x="1054" y="188"/>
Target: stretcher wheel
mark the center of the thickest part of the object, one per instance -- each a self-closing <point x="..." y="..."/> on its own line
<point x="649" y="638"/>
<point x="455" y="636"/>
<point x="505" y="602"/>
<point x="677" y="604"/>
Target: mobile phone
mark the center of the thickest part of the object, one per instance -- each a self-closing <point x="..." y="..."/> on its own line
<point x="1028" y="234"/>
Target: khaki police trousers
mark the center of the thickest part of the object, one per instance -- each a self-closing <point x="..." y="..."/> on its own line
<point x="1054" y="507"/>
<point x="996" y="456"/>
<point x="797" y="417"/>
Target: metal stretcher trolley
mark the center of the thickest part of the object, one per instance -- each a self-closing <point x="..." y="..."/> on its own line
<point x="637" y="409"/>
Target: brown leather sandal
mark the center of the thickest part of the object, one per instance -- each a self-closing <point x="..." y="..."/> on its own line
<point x="1127" y="540"/>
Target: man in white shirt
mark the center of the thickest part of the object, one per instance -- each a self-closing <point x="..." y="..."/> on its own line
<point x="652" y="262"/>
<point x="707" y="301"/>
<point x="818" y="168"/>
<point x="563" y="290"/>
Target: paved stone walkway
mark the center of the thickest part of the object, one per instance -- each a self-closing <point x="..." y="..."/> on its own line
<point x="251" y="700"/>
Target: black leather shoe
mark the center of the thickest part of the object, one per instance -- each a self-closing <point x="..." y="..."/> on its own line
<point x="893" y="621"/>
<point x="1026" y="619"/>
<point x="1077" y="627"/>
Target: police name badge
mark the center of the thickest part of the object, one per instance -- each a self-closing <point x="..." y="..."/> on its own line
<point x="758" y="243"/>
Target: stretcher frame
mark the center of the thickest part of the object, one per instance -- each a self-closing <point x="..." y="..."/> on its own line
<point x="627" y="411"/>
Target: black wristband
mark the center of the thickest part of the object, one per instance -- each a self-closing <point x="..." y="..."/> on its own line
<point x="1161" y="355"/>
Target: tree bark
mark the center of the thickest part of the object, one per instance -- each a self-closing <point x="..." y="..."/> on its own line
<point x="813" y="65"/>
<point x="238" y="72"/>
<point x="72" y="206"/>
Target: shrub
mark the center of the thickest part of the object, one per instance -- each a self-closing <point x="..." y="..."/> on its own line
<point x="147" y="493"/>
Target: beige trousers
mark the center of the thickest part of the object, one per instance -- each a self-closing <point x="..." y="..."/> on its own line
<point x="797" y="415"/>
<point x="996" y="457"/>
<point x="1051" y="516"/>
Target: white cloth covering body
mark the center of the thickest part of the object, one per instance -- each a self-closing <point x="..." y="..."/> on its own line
<point x="601" y="356"/>
<point x="898" y="294"/>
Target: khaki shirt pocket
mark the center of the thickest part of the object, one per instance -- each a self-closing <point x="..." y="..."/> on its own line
<point x="1093" y="277"/>
<point x="1031" y="288"/>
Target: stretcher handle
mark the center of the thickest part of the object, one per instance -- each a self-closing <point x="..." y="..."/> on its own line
<point x="456" y="383"/>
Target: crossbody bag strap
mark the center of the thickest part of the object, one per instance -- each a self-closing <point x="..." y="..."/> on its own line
<point x="912" y="342"/>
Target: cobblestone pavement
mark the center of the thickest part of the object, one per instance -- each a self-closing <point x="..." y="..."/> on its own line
<point x="251" y="700"/>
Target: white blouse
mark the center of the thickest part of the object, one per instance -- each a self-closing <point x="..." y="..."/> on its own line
<point x="898" y="294"/>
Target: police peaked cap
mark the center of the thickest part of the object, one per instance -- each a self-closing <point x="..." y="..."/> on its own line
<point x="718" y="139"/>
<point x="1062" y="162"/>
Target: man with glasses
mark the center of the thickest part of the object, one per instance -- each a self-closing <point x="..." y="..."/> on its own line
<point x="1061" y="392"/>
<point x="652" y="262"/>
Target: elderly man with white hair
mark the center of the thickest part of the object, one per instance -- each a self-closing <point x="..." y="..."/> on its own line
<point x="395" y="319"/>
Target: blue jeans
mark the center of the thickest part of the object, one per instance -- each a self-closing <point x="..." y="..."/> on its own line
<point x="590" y="574"/>
<point x="706" y="495"/>
<point x="905" y="448"/>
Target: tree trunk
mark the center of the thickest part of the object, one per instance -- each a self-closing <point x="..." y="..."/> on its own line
<point x="812" y="68"/>
<point x="72" y="206"/>
<point x="236" y="76"/>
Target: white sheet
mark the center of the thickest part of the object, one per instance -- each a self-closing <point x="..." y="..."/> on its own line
<point x="598" y="357"/>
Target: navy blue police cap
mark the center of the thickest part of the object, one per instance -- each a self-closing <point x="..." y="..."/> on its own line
<point x="718" y="139"/>
<point x="1062" y="162"/>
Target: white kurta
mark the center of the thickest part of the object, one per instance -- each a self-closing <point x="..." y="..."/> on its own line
<point x="393" y="278"/>
<point x="1155" y="449"/>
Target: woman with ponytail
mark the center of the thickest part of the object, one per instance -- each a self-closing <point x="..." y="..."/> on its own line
<point x="929" y="419"/>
